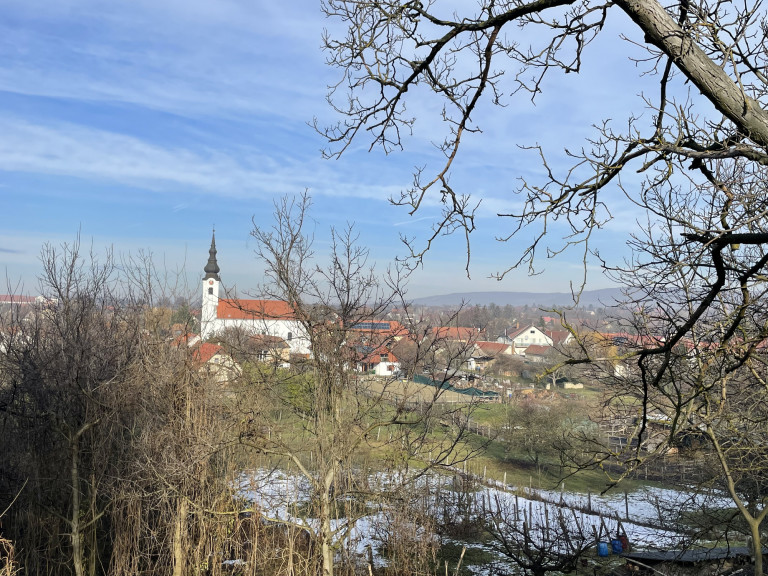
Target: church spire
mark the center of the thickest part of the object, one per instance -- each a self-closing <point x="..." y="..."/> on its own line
<point x="212" y="267"/>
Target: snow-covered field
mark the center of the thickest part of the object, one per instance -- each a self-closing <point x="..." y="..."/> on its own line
<point x="645" y="516"/>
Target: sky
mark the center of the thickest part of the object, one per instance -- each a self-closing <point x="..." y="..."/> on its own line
<point x="143" y="125"/>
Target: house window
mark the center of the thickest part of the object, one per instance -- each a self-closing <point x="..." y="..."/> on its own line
<point x="385" y="358"/>
<point x="210" y="291"/>
<point x="290" y="336"/>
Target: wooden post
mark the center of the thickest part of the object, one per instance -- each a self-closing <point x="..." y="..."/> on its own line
<point x="626" y="505"/>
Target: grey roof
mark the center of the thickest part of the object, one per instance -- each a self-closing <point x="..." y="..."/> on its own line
<point x="212" y="267"/>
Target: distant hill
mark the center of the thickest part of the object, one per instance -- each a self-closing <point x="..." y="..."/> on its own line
<point x="596" y="298"/>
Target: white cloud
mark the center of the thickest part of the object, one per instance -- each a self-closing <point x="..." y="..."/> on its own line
<point x="206" y="58"/>
<point x="70" y="150"/>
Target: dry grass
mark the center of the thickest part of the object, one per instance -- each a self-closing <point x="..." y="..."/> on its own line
<point x="413" y="392"/>
<point x="7" y="564"/>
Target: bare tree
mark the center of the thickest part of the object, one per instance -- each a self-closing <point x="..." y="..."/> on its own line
<point x="461" y="56"/>
<point x="109" y="431"/>
<point x="695" y="280"/>
<point x="320" y="418"/>
<point x="538" y="429"/>
<point x="541" y="540"/>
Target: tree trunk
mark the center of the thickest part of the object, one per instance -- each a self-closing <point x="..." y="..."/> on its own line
<point x="757" y="546"/>
<point x="75" y="526"/>
<point x="178" y="537"/>
<point x="74" y="521"/>
<point x="326" y="533"/>
<point x="713" y="81"/>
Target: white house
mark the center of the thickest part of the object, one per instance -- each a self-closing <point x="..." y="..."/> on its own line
<point x="379" y="360"/>
<point x="266" y="317"/>
<point x="528" y="336"/>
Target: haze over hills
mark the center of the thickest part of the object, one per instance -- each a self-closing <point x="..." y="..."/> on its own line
<point x="597" y="298"/>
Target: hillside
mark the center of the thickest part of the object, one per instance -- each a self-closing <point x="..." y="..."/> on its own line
<point x="596" y="298"/>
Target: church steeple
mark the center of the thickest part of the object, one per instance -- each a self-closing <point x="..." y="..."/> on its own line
<point x="211" y="281"/>
<point x="212" y="267"/>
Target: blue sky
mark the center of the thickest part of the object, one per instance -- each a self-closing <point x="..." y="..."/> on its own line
<point x="143" y="124"/>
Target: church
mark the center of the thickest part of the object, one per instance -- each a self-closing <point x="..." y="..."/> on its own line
<point x="273" y="318"/>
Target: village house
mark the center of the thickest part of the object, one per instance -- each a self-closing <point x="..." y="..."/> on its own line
<point x="214" y="361"/>
<point x="372" y="342"/>
<point x="521" y="338"/>
<point x="269" y="349"/>
<point x="211" y="358"/>
<point x="456" y="333"/>
<point x="379" y="360"/>
<point x="485" y="353"/>
<point x="537" y="353"/>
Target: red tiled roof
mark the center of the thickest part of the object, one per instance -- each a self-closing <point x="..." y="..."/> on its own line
<point x="206" y="351"/>
<point x="537" y="349"/>
<point x="492" y="347"/>
<point x="187" y="339"/>
<point x="558" y="336"/>
<point x="388" y="327"/>
<point x="374" y="356"/>
<point x="16" y="299"/>
<point x="237" y="309"/>
<point x="455" y="332"/>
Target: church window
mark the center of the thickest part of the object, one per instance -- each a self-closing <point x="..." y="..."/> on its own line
<point x="290" y="336"/>
<point x="210" y="290"/>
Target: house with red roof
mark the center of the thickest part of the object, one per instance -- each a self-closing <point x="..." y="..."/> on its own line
<point x="456" y="333"/>
<point x="522" y="338"/>
<point x="380" y="330"/>
<point x="214" y="360"/>
<point x="559" y="337"/>
<point x="269" y="349"/>
<point x="484" y="353"/>
<point x="538" y="353"/>
<point x="379" y="360"/>
<point x="18" y="300"/>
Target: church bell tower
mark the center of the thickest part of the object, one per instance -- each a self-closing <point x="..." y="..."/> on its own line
<point x="211" y="282"/>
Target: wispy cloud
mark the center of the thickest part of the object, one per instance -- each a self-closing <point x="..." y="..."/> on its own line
<point x="152" y="54"/>
<point x="414" y="221"/>
<point x="65" y="149"/>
